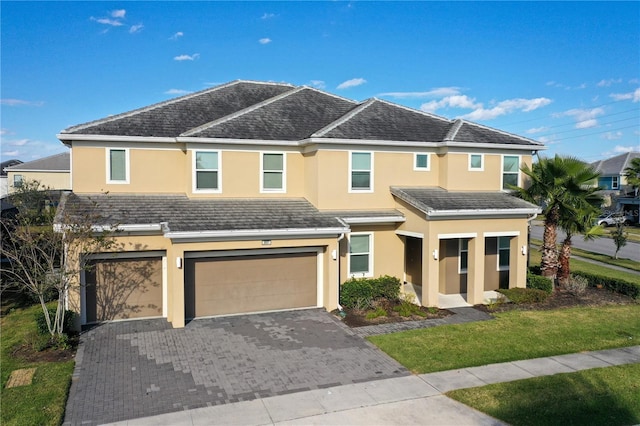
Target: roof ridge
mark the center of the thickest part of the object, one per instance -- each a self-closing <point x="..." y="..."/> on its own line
<point x="472" y="123"/>
<point x="425" y="113"/>
<point x="453" y="131"/>
<point x="164" y="103"/>
<point x="346" y="117"/>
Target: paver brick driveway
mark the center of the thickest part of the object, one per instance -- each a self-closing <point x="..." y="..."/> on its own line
<point x="140" y="368"/>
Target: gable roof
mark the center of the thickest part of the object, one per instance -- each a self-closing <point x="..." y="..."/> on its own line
<point x="179" y="216"/>
<point x="258" y="111"/>
<point x="615" y="165"/>
<point x="435" y="201"/>
<point x="54" y="163"/>
<point x="6" y="164"/>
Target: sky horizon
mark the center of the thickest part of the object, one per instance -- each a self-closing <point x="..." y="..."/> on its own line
<point x="565" y="74"/>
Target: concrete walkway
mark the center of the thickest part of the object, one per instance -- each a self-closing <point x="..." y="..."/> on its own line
<point x="410" y="400"/>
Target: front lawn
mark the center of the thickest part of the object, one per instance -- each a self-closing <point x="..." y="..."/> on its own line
<point x="602" y="396"/>
<point x="43" y="401"/>
<point x="514" y="335"/>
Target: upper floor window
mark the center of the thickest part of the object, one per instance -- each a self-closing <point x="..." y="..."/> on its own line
<point x="463" y="255"/>
<point x="476" y="162"/>
<point x="504" y="249"/>
<point x="360" y="255"/>
<point x="207" y="171"/>
<point x="421" y="162"/>
<point x="17" y="181"/>
<point x="118" y="165"/>
<point x="273" y="172"/>
<point x="361" y="171"/>
<point x="510" y="171"/>
<point x="614" y="182"/>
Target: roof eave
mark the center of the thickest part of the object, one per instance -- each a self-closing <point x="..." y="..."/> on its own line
<point x="64" y="137"/>
<point x="256" y="234"/>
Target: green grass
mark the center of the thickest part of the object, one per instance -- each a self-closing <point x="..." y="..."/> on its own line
<point x="42" y="402"/>
<point x="624" y="263"/>
<point x="602" y="396"/>
<point x="514" y="335"/>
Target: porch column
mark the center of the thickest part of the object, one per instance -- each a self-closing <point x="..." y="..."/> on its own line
<point x="430" y="269"/>
<point x="475" y="271"/>
<point x="518" y="262"/>
<point x="175" y="287"/>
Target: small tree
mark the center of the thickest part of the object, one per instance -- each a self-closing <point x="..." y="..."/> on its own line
<point x="632" y="173"/>
<point x="619" y="235"/>
<point x="38" y="252"/>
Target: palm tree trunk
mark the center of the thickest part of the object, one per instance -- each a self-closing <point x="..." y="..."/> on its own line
<point x="563" y="261"/>
<point x="549" y="261"/>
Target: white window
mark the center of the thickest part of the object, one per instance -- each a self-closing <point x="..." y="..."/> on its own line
<point x="361" y="172"/>
<point x="17" y="181"/>
<point x="463" y="255"/>
<point x="614" y="182"/>
<point x="510" y="171"/>
<point x="504" y="248"/>
<point x="476" y="162"/>
<point x="421" y="162"/>
<point x="273" y="176"/>
<point x="117" y="165"/>
<point x="206" y="170"/>
<point x="361" y="255"/>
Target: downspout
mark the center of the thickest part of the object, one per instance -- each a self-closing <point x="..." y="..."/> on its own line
<point x="529" y="220"/>
<point x="342" y="313"/>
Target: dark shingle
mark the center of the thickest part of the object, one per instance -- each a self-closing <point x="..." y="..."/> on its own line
<point x="191" y="215"/>
<point x="434" y="199"/>
<point x="475" y="133"/>
<point x="59" y="162"/>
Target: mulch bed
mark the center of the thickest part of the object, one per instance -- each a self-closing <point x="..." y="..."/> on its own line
<point x="357" y="318"/>
<point x="27" y="352"/>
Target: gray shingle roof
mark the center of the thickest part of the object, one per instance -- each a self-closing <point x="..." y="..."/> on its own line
<point x="475" y="133"/>
<point x="176" y="116"/>
<point x="615" y="166"/>
<point x="197" y="215"/>
<point x="292" y="116"/>
<point x="54" y="163"/>
<point x="431" y="200"/>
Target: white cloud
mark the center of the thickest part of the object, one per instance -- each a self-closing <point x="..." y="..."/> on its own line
<point x="585" y="118"/>
<point x="609" y="82"/>
<point x="176" y="35"/>
<point x="455" y="101"/>
<point x="177" y="92"/>
<point x="108" y="21"/>
<point x="537" y="130"/>
<point x="433" y="93"/>
<point x="587" y="124"/>
<point x="352" y="83"/>
<point x="118" y="13"/>
<point x="20" y="102"/>
<point x="320" y="84"/>
<point x="136" y="28"/>
<point x="480" y="112"/>
<point x="4" y="132"/>
<point x="187" y="57"/>
<point x="19" y="142"/>
<point x="623" y="149"/>
<point x="611" y="136"/>
<point x="264" y="40"/>
<point x="14" y="153"/>
<point x="634" y="96"/>
<point x="268" y="16"/>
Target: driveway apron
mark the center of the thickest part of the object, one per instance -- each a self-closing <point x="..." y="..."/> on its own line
<point x="132" y="369"/>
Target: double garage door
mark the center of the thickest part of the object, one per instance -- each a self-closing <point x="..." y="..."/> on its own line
<point x="123" y="288"/>
<point x="241" y="284"/>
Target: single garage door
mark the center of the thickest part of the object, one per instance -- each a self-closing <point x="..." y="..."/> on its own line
<point x="240" y="284"/>
<point x="123" y="288"/>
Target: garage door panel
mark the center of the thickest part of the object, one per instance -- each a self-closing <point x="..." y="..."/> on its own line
<point x="221" y="286"/>
<point x="123" y="288"/>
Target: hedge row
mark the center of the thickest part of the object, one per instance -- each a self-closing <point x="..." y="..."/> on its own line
<point x="539" y="282"/>
<point x="614" y="284"/>
<point x="355" y="290"/>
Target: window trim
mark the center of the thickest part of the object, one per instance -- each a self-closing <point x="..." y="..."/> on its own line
<point x="194" y="179"/>
<point x="17" y="183"/>
<point x="462" y="270"/>
<point x="283" y="171"/>
<point x="503" y="268"/>
<point x="127" y="173"/>
<point x="415" y="162"/>
<point x="361" y="190"/>
<point x="477" y="169"/>
<point x="615" y="182"/>
<point x="369" y="272"/>
<point x="502" y="172"/>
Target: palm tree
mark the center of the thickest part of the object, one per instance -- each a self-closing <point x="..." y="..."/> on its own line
<point x="564" y="186"/>
<point x="632" y="173"/>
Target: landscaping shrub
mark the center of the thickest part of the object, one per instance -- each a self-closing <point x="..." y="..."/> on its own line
<point x="525" y="295"/>
<point x="407" y="307"/>
<point x="617" y="285"/>
<point x="378" y="312"/>
<point x="357" y="292"/>
<point x="539" y="282"/>
<point x="41" y="322"/>
<point x="576" y="284"/>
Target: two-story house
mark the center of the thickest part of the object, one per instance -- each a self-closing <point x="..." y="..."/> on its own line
<point x="254" y="196"/>
<point x="53" y="172"/>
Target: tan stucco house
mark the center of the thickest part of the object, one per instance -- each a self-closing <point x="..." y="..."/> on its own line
<point x="254" y="196"/>
<point x="53" y="172"/>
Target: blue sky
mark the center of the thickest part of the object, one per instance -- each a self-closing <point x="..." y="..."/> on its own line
<point x="567" y="74"/>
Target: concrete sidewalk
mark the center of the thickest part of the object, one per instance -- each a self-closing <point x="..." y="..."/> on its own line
<point x="410" y="400"/>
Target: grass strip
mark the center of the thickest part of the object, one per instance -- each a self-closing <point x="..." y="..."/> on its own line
<point x="43" y="401"/>
<point x="601" y="396"/>
<point x="513" y="335"/>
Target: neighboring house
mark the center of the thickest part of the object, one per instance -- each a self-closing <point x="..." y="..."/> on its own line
<point x="612" y="179"/>
<point x="255" y="196"/>
<point x="53" y="172"/>
<point x="4" y="184"/>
